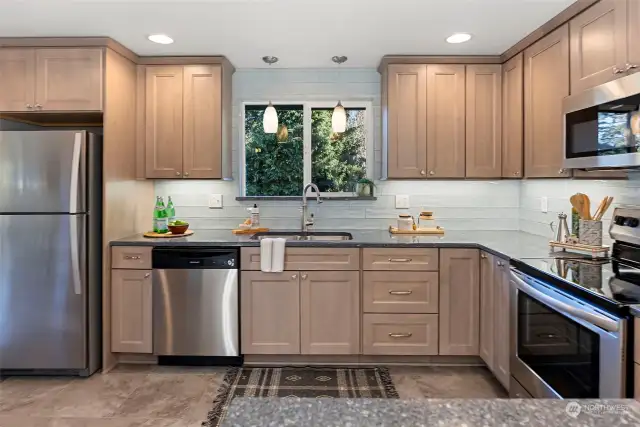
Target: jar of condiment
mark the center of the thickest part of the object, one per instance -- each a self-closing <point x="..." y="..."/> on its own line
<point x="405" y="222"/>
<point x="426" y="220"/>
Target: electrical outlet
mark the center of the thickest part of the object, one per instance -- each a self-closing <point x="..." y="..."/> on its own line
<point x="402" y="202"/>
<point x="215" y="201"/>
<point x="544" y="204"/>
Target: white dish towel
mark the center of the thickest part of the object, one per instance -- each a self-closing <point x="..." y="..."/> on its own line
<point x="277" y="255"/>
<point x="266" y="254"/>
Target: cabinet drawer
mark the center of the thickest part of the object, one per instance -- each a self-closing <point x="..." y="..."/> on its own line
<point x="400" y="259"/>
<point x="400" y="292"/>
<point x="636" y="382"/>
<point x="296" y="259"/>
<point x="134" y="257"/>
<point x="400" y="334"/>
<point x="637" y="339"/>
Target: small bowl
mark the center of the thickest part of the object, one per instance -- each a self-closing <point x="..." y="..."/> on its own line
<point x="178" y="229"/>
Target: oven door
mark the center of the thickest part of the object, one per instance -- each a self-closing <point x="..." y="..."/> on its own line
<point x="561" y="347"/>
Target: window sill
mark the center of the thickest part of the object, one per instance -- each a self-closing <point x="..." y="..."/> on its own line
<point x="310" y="197"/>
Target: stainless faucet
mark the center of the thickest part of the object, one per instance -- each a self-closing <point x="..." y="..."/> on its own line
<point x="306" y="222"/>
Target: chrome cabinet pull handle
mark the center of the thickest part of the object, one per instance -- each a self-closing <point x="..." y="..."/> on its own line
<point x="294" y="277"/>
<point x="147" y="275"/>
<point x="617" y="70"/>
<point x="432" y="173"/>
<point x="400" y="292"/>
<point x="304" y="277"/>
<point x="186" y="174"/>
<point x="29" y="106"/>
<point x="562" y="170"/>
<point x="38" y="106"/>
<point x="422" y="172"/>
<point x="630" y="67"/>
<point x="483" y="256"/>
<point x="400" y="259"/>
<point x="132" y="257"/>
<point x="177" y="173"/>
<point x="400" y="334"/>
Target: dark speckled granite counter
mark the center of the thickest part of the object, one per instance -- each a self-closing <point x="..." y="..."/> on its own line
<point x="508" y="244"/>
<point x="428" y="412"/>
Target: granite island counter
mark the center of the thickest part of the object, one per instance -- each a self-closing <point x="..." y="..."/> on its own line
<point x="507" y="244"/>
<point x="272" y="412"/>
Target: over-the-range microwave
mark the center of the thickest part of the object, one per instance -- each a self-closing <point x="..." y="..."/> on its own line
<point x="602" y="126"/>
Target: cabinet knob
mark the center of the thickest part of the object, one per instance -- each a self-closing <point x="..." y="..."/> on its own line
<point x="617" y="70"/>
<point x="29" y="106"/>
<point x="186" y="174"/>
<point x="304" y="277"/>
<point x="628" y="67"/>
<point x="561" y="171"/>
<point x="432" y="173"/>
<point x="422" y="172"/>
<point x="39" y="107"/>
<point x="500" y="264"/>
<point x="294" y="277"/>
<point x="147" y="275"/>
<point x="177" y="173"/>
<point x="516" y="174"/>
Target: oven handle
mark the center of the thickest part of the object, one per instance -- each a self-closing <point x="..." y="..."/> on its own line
<point x="595" y="319"/>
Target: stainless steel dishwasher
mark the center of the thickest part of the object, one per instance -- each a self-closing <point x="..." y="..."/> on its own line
<point x="195" y="302"/>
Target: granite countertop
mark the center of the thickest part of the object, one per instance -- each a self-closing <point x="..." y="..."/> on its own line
<point x="508" y="244"/>
<point x="430" y="412"/>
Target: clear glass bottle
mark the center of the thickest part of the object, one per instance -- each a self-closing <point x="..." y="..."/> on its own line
<point x="160" y="221"/>
<point x="171" y="210"/>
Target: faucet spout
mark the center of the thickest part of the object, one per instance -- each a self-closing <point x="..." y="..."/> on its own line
<point x="305" y="222"/>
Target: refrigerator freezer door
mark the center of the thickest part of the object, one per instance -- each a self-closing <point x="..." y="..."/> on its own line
<point x="43" y="171"/>
<point x="43" y="290"/>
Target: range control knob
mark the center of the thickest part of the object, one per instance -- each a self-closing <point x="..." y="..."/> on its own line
<point x="633" y="222"/>
<point x="619" y="220"/>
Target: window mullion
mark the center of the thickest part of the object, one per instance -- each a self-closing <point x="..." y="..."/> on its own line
<point x="306" y="138"/>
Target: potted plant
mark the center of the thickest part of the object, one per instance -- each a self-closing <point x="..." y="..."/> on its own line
<point x="365" y="187"/>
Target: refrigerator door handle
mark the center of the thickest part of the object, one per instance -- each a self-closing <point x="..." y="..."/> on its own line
<point x="75" y="256"/>
<point x="75" y="173"/>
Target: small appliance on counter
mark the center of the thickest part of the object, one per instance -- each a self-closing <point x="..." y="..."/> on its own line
<point x="571" y="325"/>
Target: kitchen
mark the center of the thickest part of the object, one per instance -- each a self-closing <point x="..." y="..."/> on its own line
<point x="487" y="158"/>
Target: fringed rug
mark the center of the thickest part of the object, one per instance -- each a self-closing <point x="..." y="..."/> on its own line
<point x="300" y="382"/>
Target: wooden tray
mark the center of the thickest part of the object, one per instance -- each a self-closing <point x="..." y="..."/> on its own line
<point x="594" y="251"/>
<point x="432" y="231"/>
<point x="250" y="230"/>
<point x="154" y="235"/>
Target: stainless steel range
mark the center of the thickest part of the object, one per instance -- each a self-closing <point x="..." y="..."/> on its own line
<point x="571" y="327"/>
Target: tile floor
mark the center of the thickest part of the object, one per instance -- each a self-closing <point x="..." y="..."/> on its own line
<point x="139" y="396"/>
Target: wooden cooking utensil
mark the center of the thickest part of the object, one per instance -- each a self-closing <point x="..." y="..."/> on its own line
<point x="576" y="202"/>
<point x="600" y="207"/>
<point x="587" y="206"/>
<point x="604" y="209"/>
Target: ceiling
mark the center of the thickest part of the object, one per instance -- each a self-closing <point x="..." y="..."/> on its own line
<point x="303" y="33"/>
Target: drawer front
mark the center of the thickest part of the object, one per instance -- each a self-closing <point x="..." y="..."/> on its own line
<point x="400" y="292"/>
<point x="400" y="334"/>
<point x="400" y="259"/>
<point x="134" y="257"/>
<point x="636" y="341"/>
<point x="296" y="259"/>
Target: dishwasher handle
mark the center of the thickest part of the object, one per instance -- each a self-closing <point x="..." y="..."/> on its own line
<point x="194" y="258"/>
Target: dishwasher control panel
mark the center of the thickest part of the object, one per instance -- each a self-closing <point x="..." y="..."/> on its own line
<point x="194" y="258"/>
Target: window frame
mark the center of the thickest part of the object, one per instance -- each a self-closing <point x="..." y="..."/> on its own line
<point x="307" y="106"/>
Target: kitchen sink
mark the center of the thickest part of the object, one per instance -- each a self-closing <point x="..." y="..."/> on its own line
<point x="304" y="235"/>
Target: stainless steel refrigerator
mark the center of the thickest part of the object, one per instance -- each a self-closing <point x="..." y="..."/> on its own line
<point x="50" y="252"/>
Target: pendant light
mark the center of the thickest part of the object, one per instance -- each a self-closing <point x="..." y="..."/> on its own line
<point x="270" y="118"/>
<point x="339" y="116"/>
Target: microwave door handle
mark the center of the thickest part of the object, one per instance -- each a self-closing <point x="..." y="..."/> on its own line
<point x="595" y="319"/>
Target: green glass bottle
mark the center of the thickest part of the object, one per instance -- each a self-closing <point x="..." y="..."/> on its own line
<point x="171" y="210"/>
<point x="160" y="221"/>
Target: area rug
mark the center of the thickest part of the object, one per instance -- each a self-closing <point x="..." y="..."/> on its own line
<point x="300" y="382"/>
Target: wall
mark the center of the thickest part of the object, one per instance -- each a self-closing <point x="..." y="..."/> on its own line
<point x="462" y="205"/>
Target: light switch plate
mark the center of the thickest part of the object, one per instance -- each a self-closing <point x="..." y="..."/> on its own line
<point x="215" y="201"/>
<point x="544" y="204"/>
<point x="402" y="202"/>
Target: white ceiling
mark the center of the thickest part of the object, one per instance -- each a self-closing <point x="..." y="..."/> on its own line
<point x="303" y="33"/>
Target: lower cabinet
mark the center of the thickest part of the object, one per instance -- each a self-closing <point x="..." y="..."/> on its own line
<point x="459" y="323"/>
<point x="494" y="320"/>
<point x="400" y="334"/>
<point x="306" y="312"/>
<point x="131" y="312"/>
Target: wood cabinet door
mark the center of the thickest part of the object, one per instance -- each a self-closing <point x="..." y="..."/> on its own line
<point x="69" y="79"/>
<point x="18" y="79"/>
<point x="598" y="44"/>
<point x="484" y="121"/>
<point x="487" y="308"/>
<point x="459" y="302"/>
<point x="633" y="34"/>
<point x="270" y="312"/>
<point x="131" y="312"/>
<point x="445" y="121"/>
<point x="202" y="134"/>
<point x="546" y="83"/>
<point x="501" y="338"/>
<point x="164" y="120"/>
<point x="330" y="312"/>
<point x="406" y="120"/>
<point x="512" y="117"/>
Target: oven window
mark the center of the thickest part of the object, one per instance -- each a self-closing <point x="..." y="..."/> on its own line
<point x="560" y="351"/>
<point x="604" y="130"/>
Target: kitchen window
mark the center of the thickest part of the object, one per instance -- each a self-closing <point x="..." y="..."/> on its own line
<point x="305" y="149"/>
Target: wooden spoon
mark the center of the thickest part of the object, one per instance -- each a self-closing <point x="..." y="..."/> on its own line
<point x="586" y="206"/>
<point x="576" y="202"/>
<point x="604" y="209"/>
<point x="601" y="206"/>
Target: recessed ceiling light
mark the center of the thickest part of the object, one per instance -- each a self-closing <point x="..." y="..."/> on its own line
<point x="459" y="38"/>
<point x="161" y="38"/>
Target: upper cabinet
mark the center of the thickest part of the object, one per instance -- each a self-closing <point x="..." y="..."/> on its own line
<point x="546" y="83"/>
<point x="512" y="117"/>
<point x="185" y="123"/>
<point x="483" y="123"/>
<point x="51" y="79"/>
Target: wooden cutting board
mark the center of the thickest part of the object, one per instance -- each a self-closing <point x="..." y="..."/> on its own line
<point x="249" y="230"/>
<point x="154" y="235"/>
<point x="432" y="231"/>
